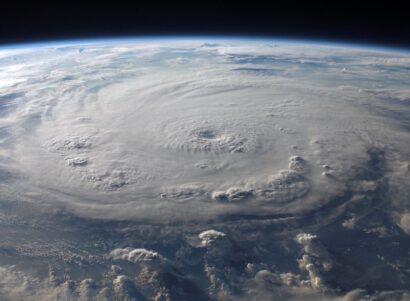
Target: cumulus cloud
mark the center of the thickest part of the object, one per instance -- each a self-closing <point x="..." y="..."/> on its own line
<point x="209" y="237"/>
<point x="136" y="255"/>
<point x="315" y="258"/>
<point x="16" y="285"/>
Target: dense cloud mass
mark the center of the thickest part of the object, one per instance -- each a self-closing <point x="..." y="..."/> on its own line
<point x="191" y="170"/>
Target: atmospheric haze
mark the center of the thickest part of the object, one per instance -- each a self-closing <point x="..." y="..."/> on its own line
<point x="204" y="170"/>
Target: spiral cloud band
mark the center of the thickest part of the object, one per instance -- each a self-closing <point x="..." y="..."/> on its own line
<point x="241" y="148"/>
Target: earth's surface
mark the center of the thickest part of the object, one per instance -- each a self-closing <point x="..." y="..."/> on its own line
<point x="204" y="170"/>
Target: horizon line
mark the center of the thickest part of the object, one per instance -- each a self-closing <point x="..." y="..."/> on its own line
<point x="182" y="37"/>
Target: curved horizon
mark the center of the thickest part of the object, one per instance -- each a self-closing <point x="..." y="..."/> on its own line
<point x="339" y="43"/>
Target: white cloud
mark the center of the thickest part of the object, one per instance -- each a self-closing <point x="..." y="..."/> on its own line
<point x="136" y="255"/>
<point x="136" y="128"/>
<point x="208" y="237"/>
<point x="129" y="132"/>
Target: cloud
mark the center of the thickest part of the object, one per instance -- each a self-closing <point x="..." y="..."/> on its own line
<point x="287" y="186"/>
<point x="315" y="260"/>
<point x="137" y="131"/>
<point x="404" y="222"/>
<point x="221" y="171"/>
<point x="136" y="255"/>
<point x="209" y="237"/>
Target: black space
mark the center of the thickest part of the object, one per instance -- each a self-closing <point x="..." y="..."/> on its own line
<point x="386" y="24"/>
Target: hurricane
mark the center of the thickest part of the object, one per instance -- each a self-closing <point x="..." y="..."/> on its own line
<point x="201" y="169"/>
